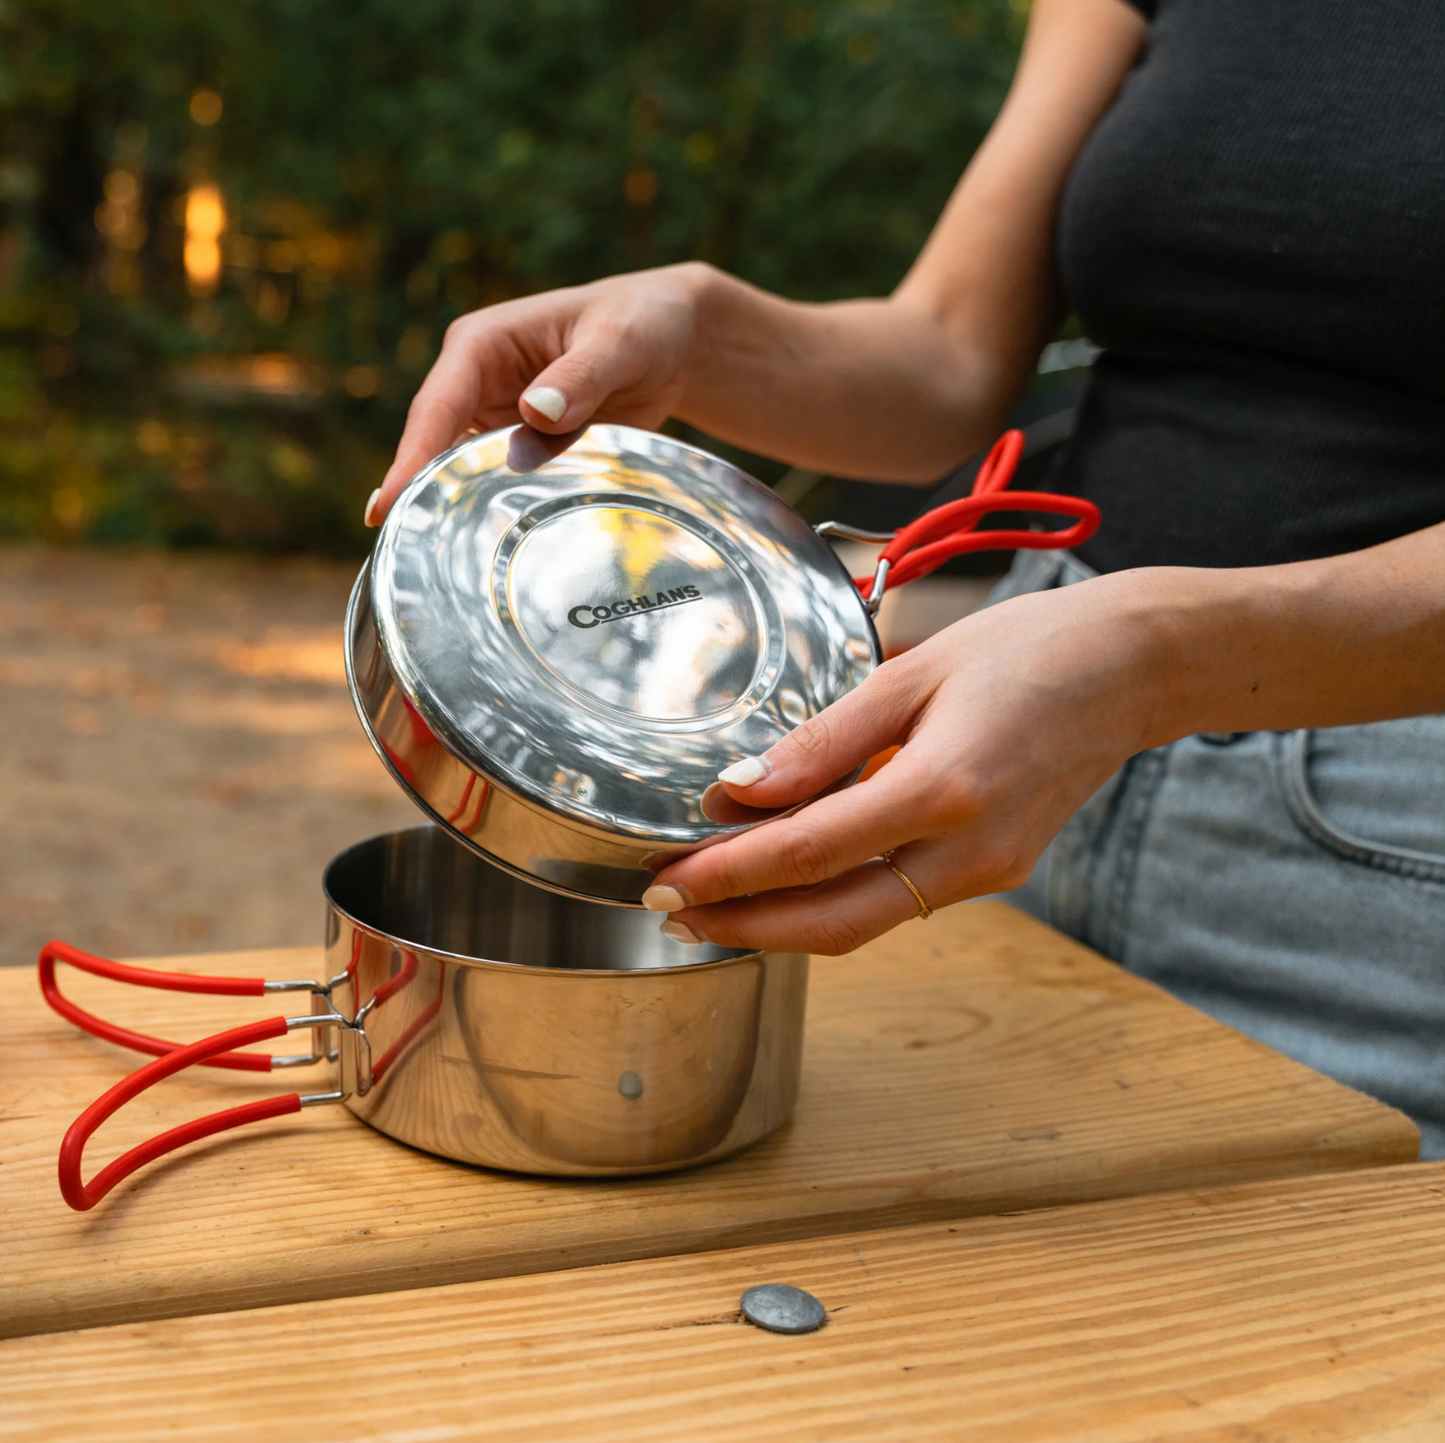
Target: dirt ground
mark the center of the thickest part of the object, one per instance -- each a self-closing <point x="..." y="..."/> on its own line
<point x="180" y="755"/>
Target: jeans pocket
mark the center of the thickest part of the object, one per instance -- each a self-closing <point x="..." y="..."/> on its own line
<point x="1372" y="794"/>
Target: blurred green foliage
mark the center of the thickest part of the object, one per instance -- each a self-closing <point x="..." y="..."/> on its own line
<point x="387" y="165"/>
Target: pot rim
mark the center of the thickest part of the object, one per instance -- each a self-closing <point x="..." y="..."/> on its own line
<point x="467" y="960"/>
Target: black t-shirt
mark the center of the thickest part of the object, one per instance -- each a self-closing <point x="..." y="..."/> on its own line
<point x="1255" y="233"/>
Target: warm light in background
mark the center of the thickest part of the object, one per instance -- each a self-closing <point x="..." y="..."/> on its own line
<point x="205" y="107"/>
<point x="205" y="221"/>
<point x="120" y="217"/>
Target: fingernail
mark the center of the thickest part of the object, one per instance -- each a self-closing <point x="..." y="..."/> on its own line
<point x="679" y="932"/>
<point x="370" y="517"/>
<point x="744" y="773"/>
<point x="548" y="400"/>
<point x="663" y="899"/>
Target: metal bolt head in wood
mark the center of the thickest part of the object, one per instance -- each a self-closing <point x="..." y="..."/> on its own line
<point x="783" y="1309"/>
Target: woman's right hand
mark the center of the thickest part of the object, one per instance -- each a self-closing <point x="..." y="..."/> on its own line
<point x="615" y="350"/>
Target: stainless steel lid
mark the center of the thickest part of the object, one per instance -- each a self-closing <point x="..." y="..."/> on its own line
<point x="601" y="631"/>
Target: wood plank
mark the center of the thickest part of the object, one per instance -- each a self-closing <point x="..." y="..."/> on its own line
<point x="975" y="1063"/>
<point x="1271" y="1313"/>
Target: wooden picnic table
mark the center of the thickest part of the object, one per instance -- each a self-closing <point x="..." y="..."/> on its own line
<point x="1272" y="1312"/>
<point x="975" y="1063"/>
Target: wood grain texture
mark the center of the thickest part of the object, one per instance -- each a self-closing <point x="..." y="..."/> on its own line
<point x="975" y="1063"/>
<point x="1275" y="1313"/>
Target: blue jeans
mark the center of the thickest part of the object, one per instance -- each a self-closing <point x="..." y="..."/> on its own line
<point x="1291" y="884"/>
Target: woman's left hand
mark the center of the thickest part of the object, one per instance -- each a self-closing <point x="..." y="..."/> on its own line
<point x="1007" y="721"/>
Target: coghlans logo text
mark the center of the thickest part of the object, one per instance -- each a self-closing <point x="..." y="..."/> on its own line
<point x="587" y="617"/>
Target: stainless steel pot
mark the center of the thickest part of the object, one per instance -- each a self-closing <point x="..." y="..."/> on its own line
<point x="476" y="1016"/>
<point x="544" y="1034"/>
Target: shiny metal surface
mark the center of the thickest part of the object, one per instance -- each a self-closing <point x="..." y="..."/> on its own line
<point x="321" y="1099"/>
<point x="512" y="1028"/>
<point x="557" y="653"/>
<point x="782" y="1308"/>
<point x="857" y="533"/>
<point x="320" y="1006"/>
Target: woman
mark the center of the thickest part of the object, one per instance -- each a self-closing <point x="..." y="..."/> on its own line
<point x="1245" y="202"/>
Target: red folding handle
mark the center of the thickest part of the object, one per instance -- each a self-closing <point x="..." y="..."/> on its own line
<point x="54" y="952"/>
<point x="951" y="530"/>
<point x="83" y="1196"/>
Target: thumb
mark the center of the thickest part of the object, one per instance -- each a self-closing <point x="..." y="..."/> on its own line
<point x="840" y="738"/>
<point x="567" y="394"/>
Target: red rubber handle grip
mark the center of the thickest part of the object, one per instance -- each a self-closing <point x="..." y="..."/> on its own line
<point x="951" y="530"/>
<point x="54" y="952"/>
<point x="150" y="977"/>
<point x="912" y="556"/>
<point x="83" y="1196"/>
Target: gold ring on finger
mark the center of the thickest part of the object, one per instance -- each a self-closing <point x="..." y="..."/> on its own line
<point x="924" y="910"/>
